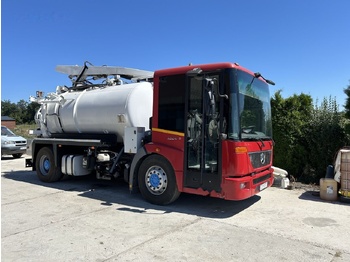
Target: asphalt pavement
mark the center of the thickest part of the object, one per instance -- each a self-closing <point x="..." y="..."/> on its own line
<point x="84" y="219"/>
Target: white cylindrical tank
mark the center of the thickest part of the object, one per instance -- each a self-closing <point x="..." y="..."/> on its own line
<point x="105" y="110"/>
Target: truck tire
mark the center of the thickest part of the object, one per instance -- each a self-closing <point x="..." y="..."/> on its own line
<point x="157" y="181"/>
<point x="45" y="166"/>
<point x="17" y="155"/>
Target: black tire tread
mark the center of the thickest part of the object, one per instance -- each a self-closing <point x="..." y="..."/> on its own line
<point x="171" y="193"/>
<point x="54" y="173"/>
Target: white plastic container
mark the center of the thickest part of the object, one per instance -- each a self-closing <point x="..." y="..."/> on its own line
<point x="284" y="182"/>
<point x="328" y="189"/>
<point x="279" y="174"/>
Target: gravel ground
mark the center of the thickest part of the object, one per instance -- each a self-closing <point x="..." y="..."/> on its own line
<point x="83" y="219"/>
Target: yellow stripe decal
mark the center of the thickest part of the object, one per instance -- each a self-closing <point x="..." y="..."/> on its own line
<point x="168" y="132"/>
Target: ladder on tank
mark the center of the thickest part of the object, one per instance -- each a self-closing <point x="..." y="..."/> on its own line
<point x="79" y="74"/>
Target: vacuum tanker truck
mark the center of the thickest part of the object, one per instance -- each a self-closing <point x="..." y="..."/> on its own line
<point x="198" y="129"/>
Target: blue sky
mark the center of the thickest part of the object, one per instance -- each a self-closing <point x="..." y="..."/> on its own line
<point x="303" y="46"/>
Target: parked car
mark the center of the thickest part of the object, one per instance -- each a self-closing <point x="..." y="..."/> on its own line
<point x="12" y="144"/>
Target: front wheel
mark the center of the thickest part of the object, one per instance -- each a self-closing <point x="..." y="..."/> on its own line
<point x="45" y="166"/>
<point x="157" y="181"/>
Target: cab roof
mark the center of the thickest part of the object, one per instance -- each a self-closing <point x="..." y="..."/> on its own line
<point x="204" y="67"/>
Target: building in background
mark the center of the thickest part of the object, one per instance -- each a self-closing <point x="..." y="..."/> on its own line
<point x="8" y="122"/>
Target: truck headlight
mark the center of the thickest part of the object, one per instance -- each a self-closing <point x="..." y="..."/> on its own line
<point x="243" y="185"/>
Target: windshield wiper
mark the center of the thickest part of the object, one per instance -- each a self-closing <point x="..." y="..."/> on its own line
<point x="256" y="139"/>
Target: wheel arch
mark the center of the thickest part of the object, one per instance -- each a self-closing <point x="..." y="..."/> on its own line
<point x="36" y="148"/>
<point x="157" y="179"/>
<point x="140" y="156"/>
<point x="171" y="155"/>
<point x="46" y="168"/>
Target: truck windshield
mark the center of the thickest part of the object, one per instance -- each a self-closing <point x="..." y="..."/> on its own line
<point x="250" y="108"/>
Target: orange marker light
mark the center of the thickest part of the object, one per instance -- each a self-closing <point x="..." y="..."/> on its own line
<point x="241" y="150"/>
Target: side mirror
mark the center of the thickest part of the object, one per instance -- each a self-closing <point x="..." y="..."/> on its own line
<point x="211" y="82"/>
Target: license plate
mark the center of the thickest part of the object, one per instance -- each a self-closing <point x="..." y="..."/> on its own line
<point x="263" y="186"/>
<point x="23" y="148"/>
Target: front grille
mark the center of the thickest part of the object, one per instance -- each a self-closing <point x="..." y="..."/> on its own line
<point x="260" y="159"/>
<point x="21" y="143"/>
<point x="260" y="179"/>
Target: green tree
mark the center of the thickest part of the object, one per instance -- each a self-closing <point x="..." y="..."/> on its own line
<point x="307" y="137"/>
<point x="9" y="109"/>
<point x="347" y="102"/>
<point x="23" y="112"/>
<point x="32" y="108"/>
<point x="289" y="118"/>
<point x="324" y="135"/>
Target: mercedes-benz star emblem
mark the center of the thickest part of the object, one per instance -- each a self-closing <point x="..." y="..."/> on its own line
<point x="262" y="158"/>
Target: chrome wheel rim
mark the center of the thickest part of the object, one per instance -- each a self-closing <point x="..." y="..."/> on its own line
<point x="156" y="180"/>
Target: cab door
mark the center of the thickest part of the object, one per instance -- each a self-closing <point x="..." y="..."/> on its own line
<point x="202" y="165"/>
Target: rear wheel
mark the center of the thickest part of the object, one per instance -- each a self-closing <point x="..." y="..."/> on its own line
<point x="45" y="166"/>
<point x="157" y="181"/>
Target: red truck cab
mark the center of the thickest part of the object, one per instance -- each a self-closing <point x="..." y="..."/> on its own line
<point x="211" y="134"/>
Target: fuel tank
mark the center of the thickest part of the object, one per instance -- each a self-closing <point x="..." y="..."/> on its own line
<point x="101" y="110"/>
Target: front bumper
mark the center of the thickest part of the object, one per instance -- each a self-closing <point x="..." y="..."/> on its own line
<point x="245" y="187"/>
<point x="11" y="150"/>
